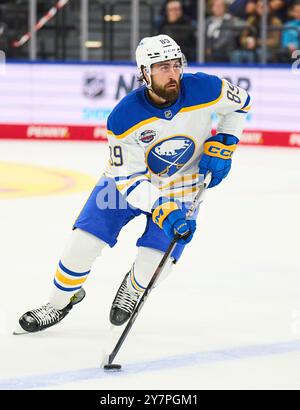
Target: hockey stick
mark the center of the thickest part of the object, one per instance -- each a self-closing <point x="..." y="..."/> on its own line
<point x="196" y="202"/>
<point x="44" y="20"/>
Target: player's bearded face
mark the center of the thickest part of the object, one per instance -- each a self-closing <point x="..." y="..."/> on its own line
<point x="168" y="91"/>
<point x="165" y="79"/>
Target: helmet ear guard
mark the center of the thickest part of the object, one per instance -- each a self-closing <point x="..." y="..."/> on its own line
<point x="144" y="69"/>
<point x="148" y="71"/>
<point x="184" y="61"/>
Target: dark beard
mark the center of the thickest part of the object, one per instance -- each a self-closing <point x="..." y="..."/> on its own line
<point x="168" y="95"/>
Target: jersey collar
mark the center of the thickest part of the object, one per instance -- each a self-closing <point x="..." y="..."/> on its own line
<point x="165" y="113"/>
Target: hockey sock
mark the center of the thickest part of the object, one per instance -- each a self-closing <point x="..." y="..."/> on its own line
<point x="74" y="267"/>
<point x="146" y="262"/>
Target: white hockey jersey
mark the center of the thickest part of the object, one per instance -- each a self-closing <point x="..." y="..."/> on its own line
<point x="156" y="151"/>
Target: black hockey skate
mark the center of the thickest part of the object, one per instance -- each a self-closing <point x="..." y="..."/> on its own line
<point x="124" y="303"/>
<point x="47" y="316"/>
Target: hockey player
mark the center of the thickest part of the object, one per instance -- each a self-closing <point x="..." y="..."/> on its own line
<point x="160" y="142"/>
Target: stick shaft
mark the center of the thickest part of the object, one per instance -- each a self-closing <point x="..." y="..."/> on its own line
<point x="142" y="300"/>
<point x="156" y="274"/>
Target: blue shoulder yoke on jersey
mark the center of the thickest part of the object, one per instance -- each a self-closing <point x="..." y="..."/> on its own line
<point x="199" y="89"/>
<point x="127" y="113"/>
<point x="135" y="109"/>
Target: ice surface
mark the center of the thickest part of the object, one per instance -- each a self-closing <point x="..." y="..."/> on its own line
<point x="228" y="316"/>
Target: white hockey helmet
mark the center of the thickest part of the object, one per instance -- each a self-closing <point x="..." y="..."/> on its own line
<point x="156" y="49"/>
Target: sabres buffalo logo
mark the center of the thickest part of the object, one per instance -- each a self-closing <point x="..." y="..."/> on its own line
<point x="168" y="156"/>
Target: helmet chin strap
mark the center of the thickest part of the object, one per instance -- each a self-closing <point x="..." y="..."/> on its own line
<point x="149" y="86"/>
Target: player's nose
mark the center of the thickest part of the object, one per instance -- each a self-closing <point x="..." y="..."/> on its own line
<point x="173" y="77"/>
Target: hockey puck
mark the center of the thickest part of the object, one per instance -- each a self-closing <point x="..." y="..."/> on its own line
<point x="112" y="367"/>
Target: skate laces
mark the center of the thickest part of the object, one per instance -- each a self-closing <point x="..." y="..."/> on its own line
<point x="125" y="298"/>
<point x="46" y="314"/>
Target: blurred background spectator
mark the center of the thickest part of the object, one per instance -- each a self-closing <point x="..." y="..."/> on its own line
<point x="245" y="8"/>
<point x="232" y="28"/>
<point x="291" y="34"/>
<point x="250" y="42"/>
<point x="280" y="8"/>
<point x="190" y="10"/>
<point x="220" y="36"/>
<point x="12" y="16"/>
<point x="242" y="8"/>
<point x="179" y="26"/>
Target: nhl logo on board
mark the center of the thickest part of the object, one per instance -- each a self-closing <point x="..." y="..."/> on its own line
<point x="94" y="85"/>
<point x="168" y="114"/>
<point x="147" y="136"/>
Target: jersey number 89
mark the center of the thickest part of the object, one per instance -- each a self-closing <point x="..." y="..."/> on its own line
<point x="232" y="94"/>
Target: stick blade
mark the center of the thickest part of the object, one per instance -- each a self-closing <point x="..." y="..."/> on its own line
<point x="112" y="367"/>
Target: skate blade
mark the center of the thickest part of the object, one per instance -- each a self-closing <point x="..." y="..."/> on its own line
<point x="20" y="331"/>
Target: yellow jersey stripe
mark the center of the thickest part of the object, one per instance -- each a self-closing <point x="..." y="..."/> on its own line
<point x="182" y="179"/>
<point x="132" y="129"/>
<point x="182" y="193"/>
<point x="152" y="119"/>
<point x="127" y="185"/>
<point x="246" y="108"/>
